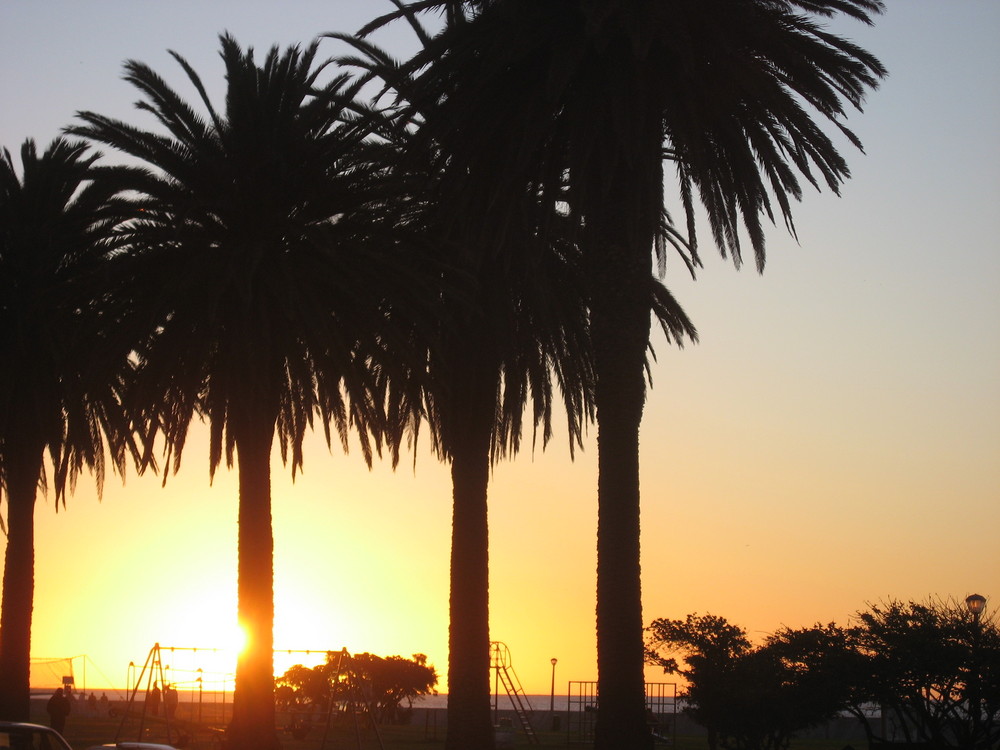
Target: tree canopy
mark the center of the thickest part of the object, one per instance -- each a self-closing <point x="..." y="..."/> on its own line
<point x="251" y="265"/>
<point x="63" y="372"/>
<point x="748" y="697"/>
<point x="908" y="672"/>
<point x="589" y="102"/>
<point x="932" y="667"/>
<point x="379" y="684"/>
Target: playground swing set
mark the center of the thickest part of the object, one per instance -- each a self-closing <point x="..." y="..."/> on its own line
<point x="145" y="697"/>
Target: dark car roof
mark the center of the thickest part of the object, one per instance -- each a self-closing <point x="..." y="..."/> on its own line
<point x="25" y="725"/>
<point x="20" y="727"/>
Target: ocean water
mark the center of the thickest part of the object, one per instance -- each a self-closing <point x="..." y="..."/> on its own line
<point x="537" y="703"/>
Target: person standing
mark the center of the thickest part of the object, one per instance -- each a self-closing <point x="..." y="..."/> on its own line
<point x="154" y="699"/>
<point x="170" y="701"/>
<point x="58" y="708"/>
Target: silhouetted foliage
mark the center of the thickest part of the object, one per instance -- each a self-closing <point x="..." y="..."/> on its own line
<point x="254" y="284"/>
<point x="520" y="339"/>
<point x="389" y="681"/>
<point x="63" y="369"/>
<point x="916" y="673"/>
<point x="583" y="100"/>
<point x="254" y="257"/>
<point x="510" y="345"/>
<point x="749" y="697"/>
<point x="302" y="686"/>
<point x="932" y="669"/>
<point x="362" y="681"/>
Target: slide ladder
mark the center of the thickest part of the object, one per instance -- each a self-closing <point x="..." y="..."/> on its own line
<point x="506" y="676"/>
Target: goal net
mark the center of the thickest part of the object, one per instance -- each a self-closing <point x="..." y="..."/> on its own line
<point x="50" y="674"/>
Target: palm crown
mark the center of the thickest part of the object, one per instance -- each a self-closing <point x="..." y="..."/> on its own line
<point x="254" y="255"/>
<point x="587" y="101"/>
<point x="51" y="224"/>
<point x="244" y="252"/>
<point x="63" y="375"/>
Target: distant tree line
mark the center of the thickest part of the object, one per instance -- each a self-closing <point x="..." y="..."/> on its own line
<point x="927" y="674"/>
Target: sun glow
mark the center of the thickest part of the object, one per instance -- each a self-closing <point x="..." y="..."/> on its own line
<point x="207" y="662"/>
<point x="237" y="640"/>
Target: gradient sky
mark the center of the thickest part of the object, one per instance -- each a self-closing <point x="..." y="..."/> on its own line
<point x="833" y="440"/>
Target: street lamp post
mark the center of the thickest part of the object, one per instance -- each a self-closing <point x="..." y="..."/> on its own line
<point x="552" y="695"/>
<point x="201" y="689"/>
<point x="976" y="603"/>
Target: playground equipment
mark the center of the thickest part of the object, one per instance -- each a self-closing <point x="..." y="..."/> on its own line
<point x="505" y="675"/>
<point x="200" y="722"/>
<point x="157" y="686"/>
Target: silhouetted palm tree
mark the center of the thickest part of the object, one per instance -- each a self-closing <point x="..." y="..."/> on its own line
<point x="518" y="334"/>
<point x="251" y="267"/>
<point x="505" y="327"/>
<point x="594" y="95"/>
<point x="60" y="383"/>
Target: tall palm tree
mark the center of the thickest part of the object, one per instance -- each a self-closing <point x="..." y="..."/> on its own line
<point x="60" y="384"/>
<point x="253" y="269"/>
<point x="599" y="94"/>
<point x="519" y="333"/>
<point x="505" y="329"/>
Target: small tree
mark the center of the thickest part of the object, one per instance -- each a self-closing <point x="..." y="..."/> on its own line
<point x="387" y="682"/>
<point x="748" y="697"/>
<point x="303" y="686"/>
<point x="382" y="683"/>
<point x="934" y="671"/>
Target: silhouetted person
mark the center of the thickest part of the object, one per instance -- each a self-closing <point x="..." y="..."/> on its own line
<point x="92" y="704"/>
<point x="58" y="708"/>
<point x="154" y="700"/>
<point x="169" y="701"/>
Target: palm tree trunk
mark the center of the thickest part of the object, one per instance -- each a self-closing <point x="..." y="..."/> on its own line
<point x="18" y="590"/>
<point x="619" y="352"/>
<point x="252" y="727"/>
<point x="619" y="259"/>
<point x="469" y="723"/>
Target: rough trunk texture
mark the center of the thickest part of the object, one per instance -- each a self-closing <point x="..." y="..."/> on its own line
<point x="252" y="726"/>
<point x="621" y="720"/>
<point x="619" y="258"/>
<point x="469" y="723"/>
<point x="18" y="590"/>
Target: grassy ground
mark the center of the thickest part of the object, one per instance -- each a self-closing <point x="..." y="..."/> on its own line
<point x="82" y="731"/>
<point x="86" y="732"/>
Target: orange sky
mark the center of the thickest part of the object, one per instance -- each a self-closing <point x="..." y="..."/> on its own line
<point x="834" y="439"/>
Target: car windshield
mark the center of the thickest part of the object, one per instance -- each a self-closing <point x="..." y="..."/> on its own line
<point x="29" y="738"/>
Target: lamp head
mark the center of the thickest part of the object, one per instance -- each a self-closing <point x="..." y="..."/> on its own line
<point x="976" y="604"/>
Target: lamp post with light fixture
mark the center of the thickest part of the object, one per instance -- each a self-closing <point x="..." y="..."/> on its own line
<point x="552" y="696"/>
<point x="201" y="690"/>
<point x="975" y="603"/>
